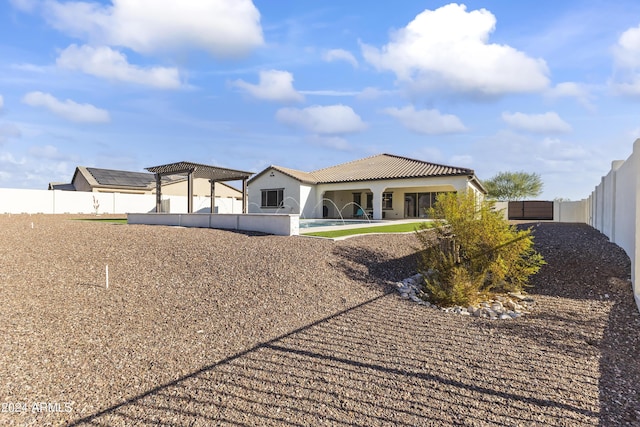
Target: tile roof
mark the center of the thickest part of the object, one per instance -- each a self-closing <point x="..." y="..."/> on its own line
<point x="305" y="177"/>
<point x="385" y="166"/>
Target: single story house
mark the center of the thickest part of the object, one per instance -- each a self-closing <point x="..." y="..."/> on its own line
<point x="384" y="186"/>
<point x="99" y="180"/>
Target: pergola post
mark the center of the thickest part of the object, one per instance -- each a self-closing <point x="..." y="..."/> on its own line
<point x="213" y="196"/>
<point x="190" y="192"/>
<point x="244" y="195"/>
<point x="158" y="194"/>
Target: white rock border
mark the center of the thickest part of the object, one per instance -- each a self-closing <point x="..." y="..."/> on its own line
<point x="503" y="307"/>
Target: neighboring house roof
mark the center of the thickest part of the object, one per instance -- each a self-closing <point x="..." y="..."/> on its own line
<point x="378" y="167"/>
<point x="122" y="180"/>
<point x="118" y="178"/>
<point x="61" y="186"/>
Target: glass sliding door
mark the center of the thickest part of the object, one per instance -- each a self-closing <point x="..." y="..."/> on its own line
<point x="417" y="205"/>
<point x="410" y="205"/>
<point x="357" y="203"/>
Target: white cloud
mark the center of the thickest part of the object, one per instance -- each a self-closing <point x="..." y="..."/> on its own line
<point x="323" y="120"/>
<point x="430" y="122"/>
<point x="70" y="110"/>
<point x="626" y="51"/>
<point x="448" y="49"/>
<point x="626" y="54"/>
<point x="556" y="150"/>
<point x="225" y="28"/>
<point x="274" y="85"/>
<point x="46" y="152"/>
<point x="548" y="122"/>
<point x="24" y="5"/>
<point x="544" y="155"/>
<point x="110" y="64"/>
<point x="631" y="86"/>
<point x="572" y="90"/>
<point x="373" y="93"/>
<point x="1" y="102"/>
<point x="333" y="142"/>
<point x="330" y="92"/>
<point x="429" y="153"/>
<point x="7" y="131"/>
<point x="340" y="55"/>
<point x="462" y="160"/>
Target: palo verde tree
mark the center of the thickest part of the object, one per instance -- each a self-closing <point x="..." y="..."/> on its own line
<point x="510" y="186"/>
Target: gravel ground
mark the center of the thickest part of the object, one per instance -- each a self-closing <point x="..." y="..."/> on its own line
<point x="211" y="327"/>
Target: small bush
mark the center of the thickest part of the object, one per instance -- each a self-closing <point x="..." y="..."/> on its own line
<point x="479" y="253"/>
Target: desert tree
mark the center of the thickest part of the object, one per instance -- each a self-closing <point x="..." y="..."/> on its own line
<point x="510" y="186"/>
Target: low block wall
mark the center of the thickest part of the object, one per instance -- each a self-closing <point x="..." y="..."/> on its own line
<point x="577" y="211"/>
<point x="281" y="225"/>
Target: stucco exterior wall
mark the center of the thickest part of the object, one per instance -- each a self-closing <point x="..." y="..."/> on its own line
<point x="81" y="184"/>
<point x="271" y="180"/>
<point x="308" y="200"/>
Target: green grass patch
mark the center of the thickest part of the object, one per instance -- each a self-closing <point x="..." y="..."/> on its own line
<point x="392" y="228"/>
<point x="107" y="220"/>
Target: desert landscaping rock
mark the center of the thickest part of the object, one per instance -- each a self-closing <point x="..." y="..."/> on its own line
<point x="503" y="307"/>
<point x="203" y="327"/>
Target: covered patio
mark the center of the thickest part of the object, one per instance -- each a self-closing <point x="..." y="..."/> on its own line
<point x="388" y="199"/>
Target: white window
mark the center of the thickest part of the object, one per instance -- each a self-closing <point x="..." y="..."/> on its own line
<point x="387" y="200"/>
<point x="272" y="198"/>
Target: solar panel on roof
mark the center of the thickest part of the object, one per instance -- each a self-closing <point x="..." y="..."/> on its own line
<point x="118" y="178"/>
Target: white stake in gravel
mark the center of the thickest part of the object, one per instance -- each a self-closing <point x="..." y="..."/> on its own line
<point x="106" y="270"/>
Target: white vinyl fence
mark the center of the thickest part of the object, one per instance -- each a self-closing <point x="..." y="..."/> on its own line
<point x="613" y="208"/>
<point x="16" y="201"/>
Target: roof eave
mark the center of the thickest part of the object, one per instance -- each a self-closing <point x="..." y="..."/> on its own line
<point x="394" y="178"/>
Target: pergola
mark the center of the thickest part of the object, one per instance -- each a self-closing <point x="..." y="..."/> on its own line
<point x="196" y="170"/>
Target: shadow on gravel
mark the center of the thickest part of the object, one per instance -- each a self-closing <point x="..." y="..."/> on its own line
<point x="371" y="267"/>
<point x="382" y="362"/>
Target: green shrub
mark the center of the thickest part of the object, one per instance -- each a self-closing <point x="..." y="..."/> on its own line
<point x="478" y="252"/>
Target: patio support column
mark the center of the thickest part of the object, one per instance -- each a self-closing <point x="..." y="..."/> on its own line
<point x="213" y="196"/>
<point x="244" y="196"/>
<point x="158" y="194"/>
<point x="377" y="191"/>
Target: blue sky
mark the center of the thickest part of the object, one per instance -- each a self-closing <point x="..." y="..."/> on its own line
<point x="536" y="86"/>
